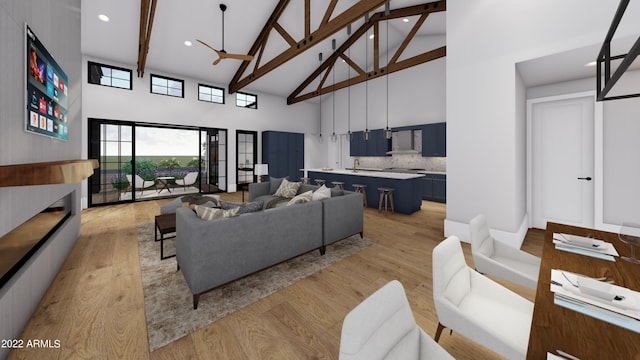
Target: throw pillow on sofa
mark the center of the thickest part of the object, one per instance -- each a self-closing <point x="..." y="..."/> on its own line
<point x="287" y="189"/>
<point x="244" y="207"/>
<point x="206" y="213"/>
<point x="302" y="198"/>
<point x="323" y="192"/>
<point x="190" y="201"/>
<point x="274" y="184"/>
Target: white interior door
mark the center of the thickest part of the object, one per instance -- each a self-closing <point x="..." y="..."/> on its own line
<point x="563" y="162"/>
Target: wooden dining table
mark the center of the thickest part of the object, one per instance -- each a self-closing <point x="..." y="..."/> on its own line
<point x="556" y="328"/>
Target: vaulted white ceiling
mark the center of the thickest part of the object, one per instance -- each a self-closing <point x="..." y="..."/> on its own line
<point x="178" y="21"/>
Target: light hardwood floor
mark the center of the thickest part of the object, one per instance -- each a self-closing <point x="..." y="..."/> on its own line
<point x="95" y="305"/>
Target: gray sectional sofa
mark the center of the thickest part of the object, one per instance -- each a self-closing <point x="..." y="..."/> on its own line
<point x="213" y="253"/>
<point x="342" y="214"/>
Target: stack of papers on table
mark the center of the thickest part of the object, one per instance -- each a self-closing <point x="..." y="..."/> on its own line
<point x="585" y="246"/>
<point x="614" y="304"/>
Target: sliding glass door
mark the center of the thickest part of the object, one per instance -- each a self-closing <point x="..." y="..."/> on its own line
<point x="147" y="161"/>
<point x="247" y="155"/>
<point x="112" y="145"/>
<point x="214" y="154"/>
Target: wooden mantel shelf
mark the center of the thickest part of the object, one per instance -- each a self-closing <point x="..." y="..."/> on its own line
<point x="47" y="173"/>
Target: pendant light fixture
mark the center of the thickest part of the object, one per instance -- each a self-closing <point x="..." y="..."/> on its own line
<point x="320" y="137"/>
<point x="334" y="137"/>
<point x="366" y="84"/>
<point x="387" y="12"/>
<point x="349" y="87"/>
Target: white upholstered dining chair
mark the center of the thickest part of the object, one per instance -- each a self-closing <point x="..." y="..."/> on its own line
<point x="477" y="307"/>
<point x="383" y="327"/>
<point x="494" y="258"/>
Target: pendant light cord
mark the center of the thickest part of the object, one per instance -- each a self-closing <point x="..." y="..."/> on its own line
<point x="349" y="87"/>
<point x="333" y="93"/>
<point x="366" y="85"/>
<point x="387" y="12"/>
<point x="320" y="102"/>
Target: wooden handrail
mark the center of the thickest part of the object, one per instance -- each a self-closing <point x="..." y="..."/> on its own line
<point x="46" y="173"/>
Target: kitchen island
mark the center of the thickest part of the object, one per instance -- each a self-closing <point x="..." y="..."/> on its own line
<point x="408" y="189"/>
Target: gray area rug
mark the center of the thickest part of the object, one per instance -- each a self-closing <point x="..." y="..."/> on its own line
<point x="168" y="301"/>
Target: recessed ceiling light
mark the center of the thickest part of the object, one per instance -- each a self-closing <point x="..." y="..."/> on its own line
<point x="593" y="63"/>
<point x="405" y="20"/>
<point x="103" y="17"/>
<point x="188" y="43"/>
<point x="371" y="36"/>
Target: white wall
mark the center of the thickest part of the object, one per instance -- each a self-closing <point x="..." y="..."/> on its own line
<point x="485" y="39"/>
<point x="140" y="105"/>
<point x="57" y="25"/>
<point x="621" y="163"/>
<point x="620" y="131"/>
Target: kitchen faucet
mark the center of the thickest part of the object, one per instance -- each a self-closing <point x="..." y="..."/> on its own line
<point x="355" y="162"/>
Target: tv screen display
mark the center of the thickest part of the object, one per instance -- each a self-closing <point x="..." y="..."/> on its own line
<point x="47" y="91"/>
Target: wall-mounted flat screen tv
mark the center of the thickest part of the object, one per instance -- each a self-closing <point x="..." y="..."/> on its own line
<point x="47" y="95"/>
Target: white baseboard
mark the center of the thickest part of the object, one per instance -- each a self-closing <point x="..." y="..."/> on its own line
<point x="461" y="230"/>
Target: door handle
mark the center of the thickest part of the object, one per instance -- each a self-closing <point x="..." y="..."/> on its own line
<point x="588" y="178"/>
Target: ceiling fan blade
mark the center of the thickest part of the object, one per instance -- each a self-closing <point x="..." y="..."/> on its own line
<point x="221" y="53"/>
<point x="239" y="56"/>
<point x="207" y="45"/>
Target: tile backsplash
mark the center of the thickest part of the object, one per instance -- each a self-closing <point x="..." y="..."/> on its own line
<point x="409" y="161"/>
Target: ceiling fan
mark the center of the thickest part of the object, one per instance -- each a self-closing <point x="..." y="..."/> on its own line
<point x="222" y="54"/>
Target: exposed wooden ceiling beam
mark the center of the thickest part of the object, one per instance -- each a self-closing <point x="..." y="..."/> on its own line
<point x="329" y="12"/>
<point x="393" y="64"/>
<point x="147" y="13"/>
<point x="324" y="31"/>
<point x="404" y="64"/>
<point x="285" y="35"/>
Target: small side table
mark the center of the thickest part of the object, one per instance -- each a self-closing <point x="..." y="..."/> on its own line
<point x="165" y="224"/>
<point x="164" y="180"/>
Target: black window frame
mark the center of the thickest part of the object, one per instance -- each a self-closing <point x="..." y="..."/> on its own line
<point x="92" y="64"/>
<point x="211" y="87"/>
<point x="167" y="87"/>
<point x="247" y="107"/>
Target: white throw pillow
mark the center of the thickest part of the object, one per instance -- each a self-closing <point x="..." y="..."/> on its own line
<point x="322" y="193"/>
<point x="207" y="213"/>
<point x="287" y="189"/>
<point x="302" y="198"/>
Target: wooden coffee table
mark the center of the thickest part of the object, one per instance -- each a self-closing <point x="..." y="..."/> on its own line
<point x="165" y="224"/>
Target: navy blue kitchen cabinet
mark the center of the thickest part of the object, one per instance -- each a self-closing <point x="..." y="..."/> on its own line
<point x="434" y="140"/>
<point x="406" y="196"/>
<point x="377" y="145"/>
<point x="358" y="147"/>
<point x="284" y="153"/>
<point x="434" y="187"/>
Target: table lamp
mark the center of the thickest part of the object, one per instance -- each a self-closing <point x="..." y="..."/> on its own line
<point x="260" y="170"/>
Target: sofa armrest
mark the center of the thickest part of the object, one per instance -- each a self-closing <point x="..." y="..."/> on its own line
<point x="343" y="216"/>
<point x="258" y="189"/>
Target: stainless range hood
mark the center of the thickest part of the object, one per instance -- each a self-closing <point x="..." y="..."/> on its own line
<point x="402" y="142"/>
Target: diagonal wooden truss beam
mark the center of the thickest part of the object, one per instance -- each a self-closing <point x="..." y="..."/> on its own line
<point x="147" y="13"/>
<point x="330" y="24"/>
<point x="393" y="64"/>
